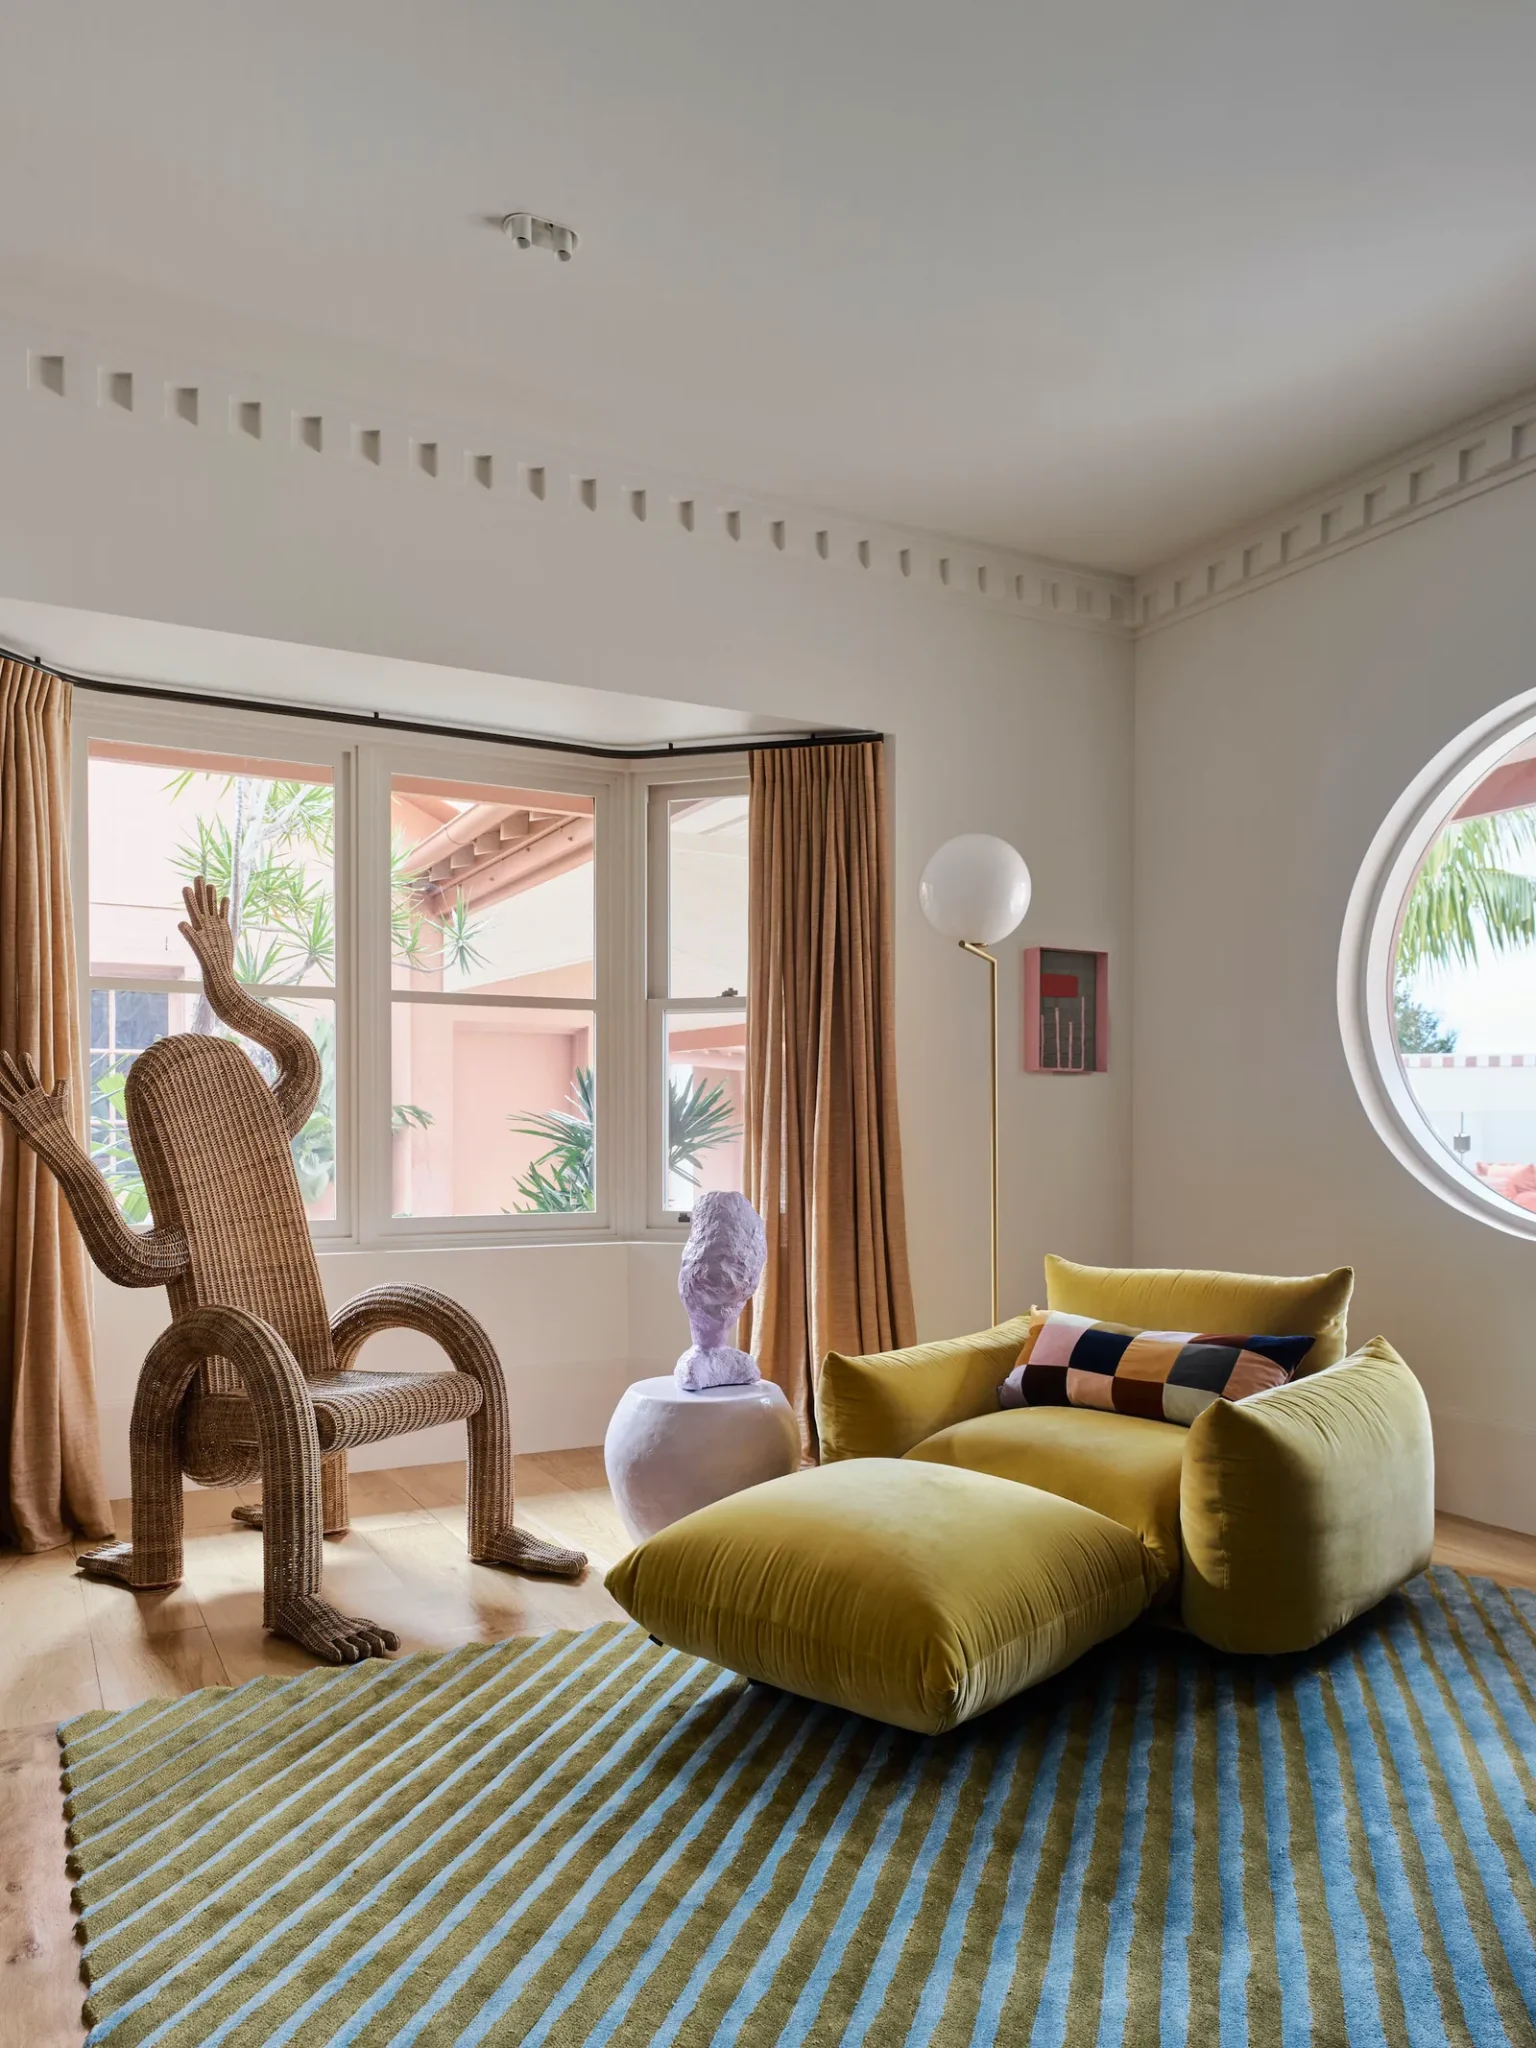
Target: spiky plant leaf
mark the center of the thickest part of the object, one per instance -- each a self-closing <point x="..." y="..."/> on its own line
<point x="1465" y="897"/>
<point x="700" y="1116"/>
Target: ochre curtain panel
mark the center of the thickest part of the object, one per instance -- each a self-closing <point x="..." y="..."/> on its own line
<point x="823" y="1150"/>
<point x="51" y="1484"/>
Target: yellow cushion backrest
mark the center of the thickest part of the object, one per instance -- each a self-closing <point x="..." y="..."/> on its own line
<point x="1179" y="1298"/>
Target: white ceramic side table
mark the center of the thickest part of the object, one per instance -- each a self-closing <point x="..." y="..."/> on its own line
<point x="668" y="1451"/>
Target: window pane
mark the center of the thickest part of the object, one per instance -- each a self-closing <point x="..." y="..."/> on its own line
<point x="261" y="830"/>
<point x="492" y="1110"/>
<point x="707" y="912"/>
<point x="124" y="1022"/>
<point x="491" y="888"/>
<point x="1464" y="989"/>
<point x="706" y="1067"/>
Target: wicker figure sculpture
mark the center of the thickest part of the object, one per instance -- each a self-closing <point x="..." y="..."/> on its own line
<point x="251" y="1378"/>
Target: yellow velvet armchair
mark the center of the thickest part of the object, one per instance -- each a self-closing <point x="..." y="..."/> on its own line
<point x="1271" y="1522"/>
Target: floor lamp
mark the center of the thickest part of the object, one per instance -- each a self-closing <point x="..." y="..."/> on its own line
<point x="975" y="890"/>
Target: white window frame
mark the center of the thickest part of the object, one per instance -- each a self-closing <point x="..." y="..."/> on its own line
<point x="630" y="889"/>
<point x="1368" y="958"/>
<point x="659" y="1002"/>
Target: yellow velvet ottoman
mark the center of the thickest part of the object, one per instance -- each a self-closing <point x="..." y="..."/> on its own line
<point x="917" y="1594"/>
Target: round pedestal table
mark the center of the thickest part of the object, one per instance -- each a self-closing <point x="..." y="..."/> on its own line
<point x="668" y="1451"/>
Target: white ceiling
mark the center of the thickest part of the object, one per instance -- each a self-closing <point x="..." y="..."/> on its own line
<point x="1094" y="278"/>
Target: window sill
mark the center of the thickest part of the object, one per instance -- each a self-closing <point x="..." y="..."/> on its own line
<point x="417" y="1247"/>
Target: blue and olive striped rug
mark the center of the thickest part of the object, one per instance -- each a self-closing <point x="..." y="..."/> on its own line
<point x="584" y="1838"/>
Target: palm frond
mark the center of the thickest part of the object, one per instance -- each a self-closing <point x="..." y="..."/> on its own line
<point x="456" y="935"/>
<point x="1465" y="898"/>
<point x="551" y="1194"/>
<point x="700" y="1116"/>
<point x="570" y="1154"/>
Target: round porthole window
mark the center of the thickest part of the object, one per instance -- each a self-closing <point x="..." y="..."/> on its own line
<point x="1437" y="974"/>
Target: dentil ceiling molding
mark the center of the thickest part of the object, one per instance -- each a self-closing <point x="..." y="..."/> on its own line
<point x="1491" y="449"/>
<point x="226" y="416"/>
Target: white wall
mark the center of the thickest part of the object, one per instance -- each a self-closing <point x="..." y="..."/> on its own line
<point x="1273" y="734"/>
<point x="997" y="723"/>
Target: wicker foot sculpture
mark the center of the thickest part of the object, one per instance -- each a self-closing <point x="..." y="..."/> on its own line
<point x="253" y="1379"/>
<point x="314" y="1624"/>
<point x="527" y="1553"/>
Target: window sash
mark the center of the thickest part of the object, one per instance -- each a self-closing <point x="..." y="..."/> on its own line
<point x="242" y="739"/>
<point x="659" y="1003"/>
<point x="380" y="762"/>
<point x="661" y="796"/>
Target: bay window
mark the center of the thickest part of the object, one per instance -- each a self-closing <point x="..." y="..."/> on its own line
<point x="525" y="973"/>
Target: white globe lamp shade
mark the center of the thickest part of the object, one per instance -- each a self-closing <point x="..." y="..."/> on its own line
<point x="975" y="887"/>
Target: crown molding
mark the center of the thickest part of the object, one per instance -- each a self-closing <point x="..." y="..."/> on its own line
<point x="215" y="415"/>
<point x="1491" y="449"/>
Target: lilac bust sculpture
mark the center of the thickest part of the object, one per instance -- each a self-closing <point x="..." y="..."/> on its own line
<point x="714" y="1424"/>
<point x="722" y="1263"/>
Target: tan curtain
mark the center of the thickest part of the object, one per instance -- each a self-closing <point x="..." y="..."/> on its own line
<point x="823" y="1152"/>
<point x="51" y="1484"/>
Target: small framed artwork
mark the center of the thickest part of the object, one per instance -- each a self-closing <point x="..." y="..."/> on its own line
<point x="1066" y="1010"/>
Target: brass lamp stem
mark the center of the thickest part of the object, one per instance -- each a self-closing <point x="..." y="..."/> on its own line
<point x="969" y="946"/>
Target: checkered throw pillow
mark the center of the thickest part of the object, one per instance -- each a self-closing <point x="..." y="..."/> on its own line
<point x="1166" y="1375"/>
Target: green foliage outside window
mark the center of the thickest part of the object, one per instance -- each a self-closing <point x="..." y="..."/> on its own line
<point x="1466" y="896"/>
<point x="1419" y="1028"/>
<point x="563" y="1179"/>
<point x="1467" y="899"/>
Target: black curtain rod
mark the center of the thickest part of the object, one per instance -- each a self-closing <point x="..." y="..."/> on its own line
<point x="376" y="721"/>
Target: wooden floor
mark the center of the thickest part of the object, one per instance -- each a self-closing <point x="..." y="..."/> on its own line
<point x="67" y="1645"/>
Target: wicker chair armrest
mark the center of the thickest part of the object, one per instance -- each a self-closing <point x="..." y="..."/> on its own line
<point x="492" y="1537"/>
<point x="423" y="1309"/>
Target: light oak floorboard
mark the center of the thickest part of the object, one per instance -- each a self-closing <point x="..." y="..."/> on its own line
<point x="47" y="1662"/>
<point x="1477" y="1547"/>
<point x="381" y="1500"/>
<point x="561" y="1495"/>
<point x="40" y="1988"/>
<point x="582" y="1470"/>
<point x="157" y="1666"/>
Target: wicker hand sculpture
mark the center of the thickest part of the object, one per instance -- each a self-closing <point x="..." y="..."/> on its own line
<point x="252" y="1378"/>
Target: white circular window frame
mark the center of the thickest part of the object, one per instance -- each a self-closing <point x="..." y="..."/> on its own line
<point x="1368" y="950"/>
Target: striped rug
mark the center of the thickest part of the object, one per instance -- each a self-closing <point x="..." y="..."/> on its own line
<point x="584" y="1838"/>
